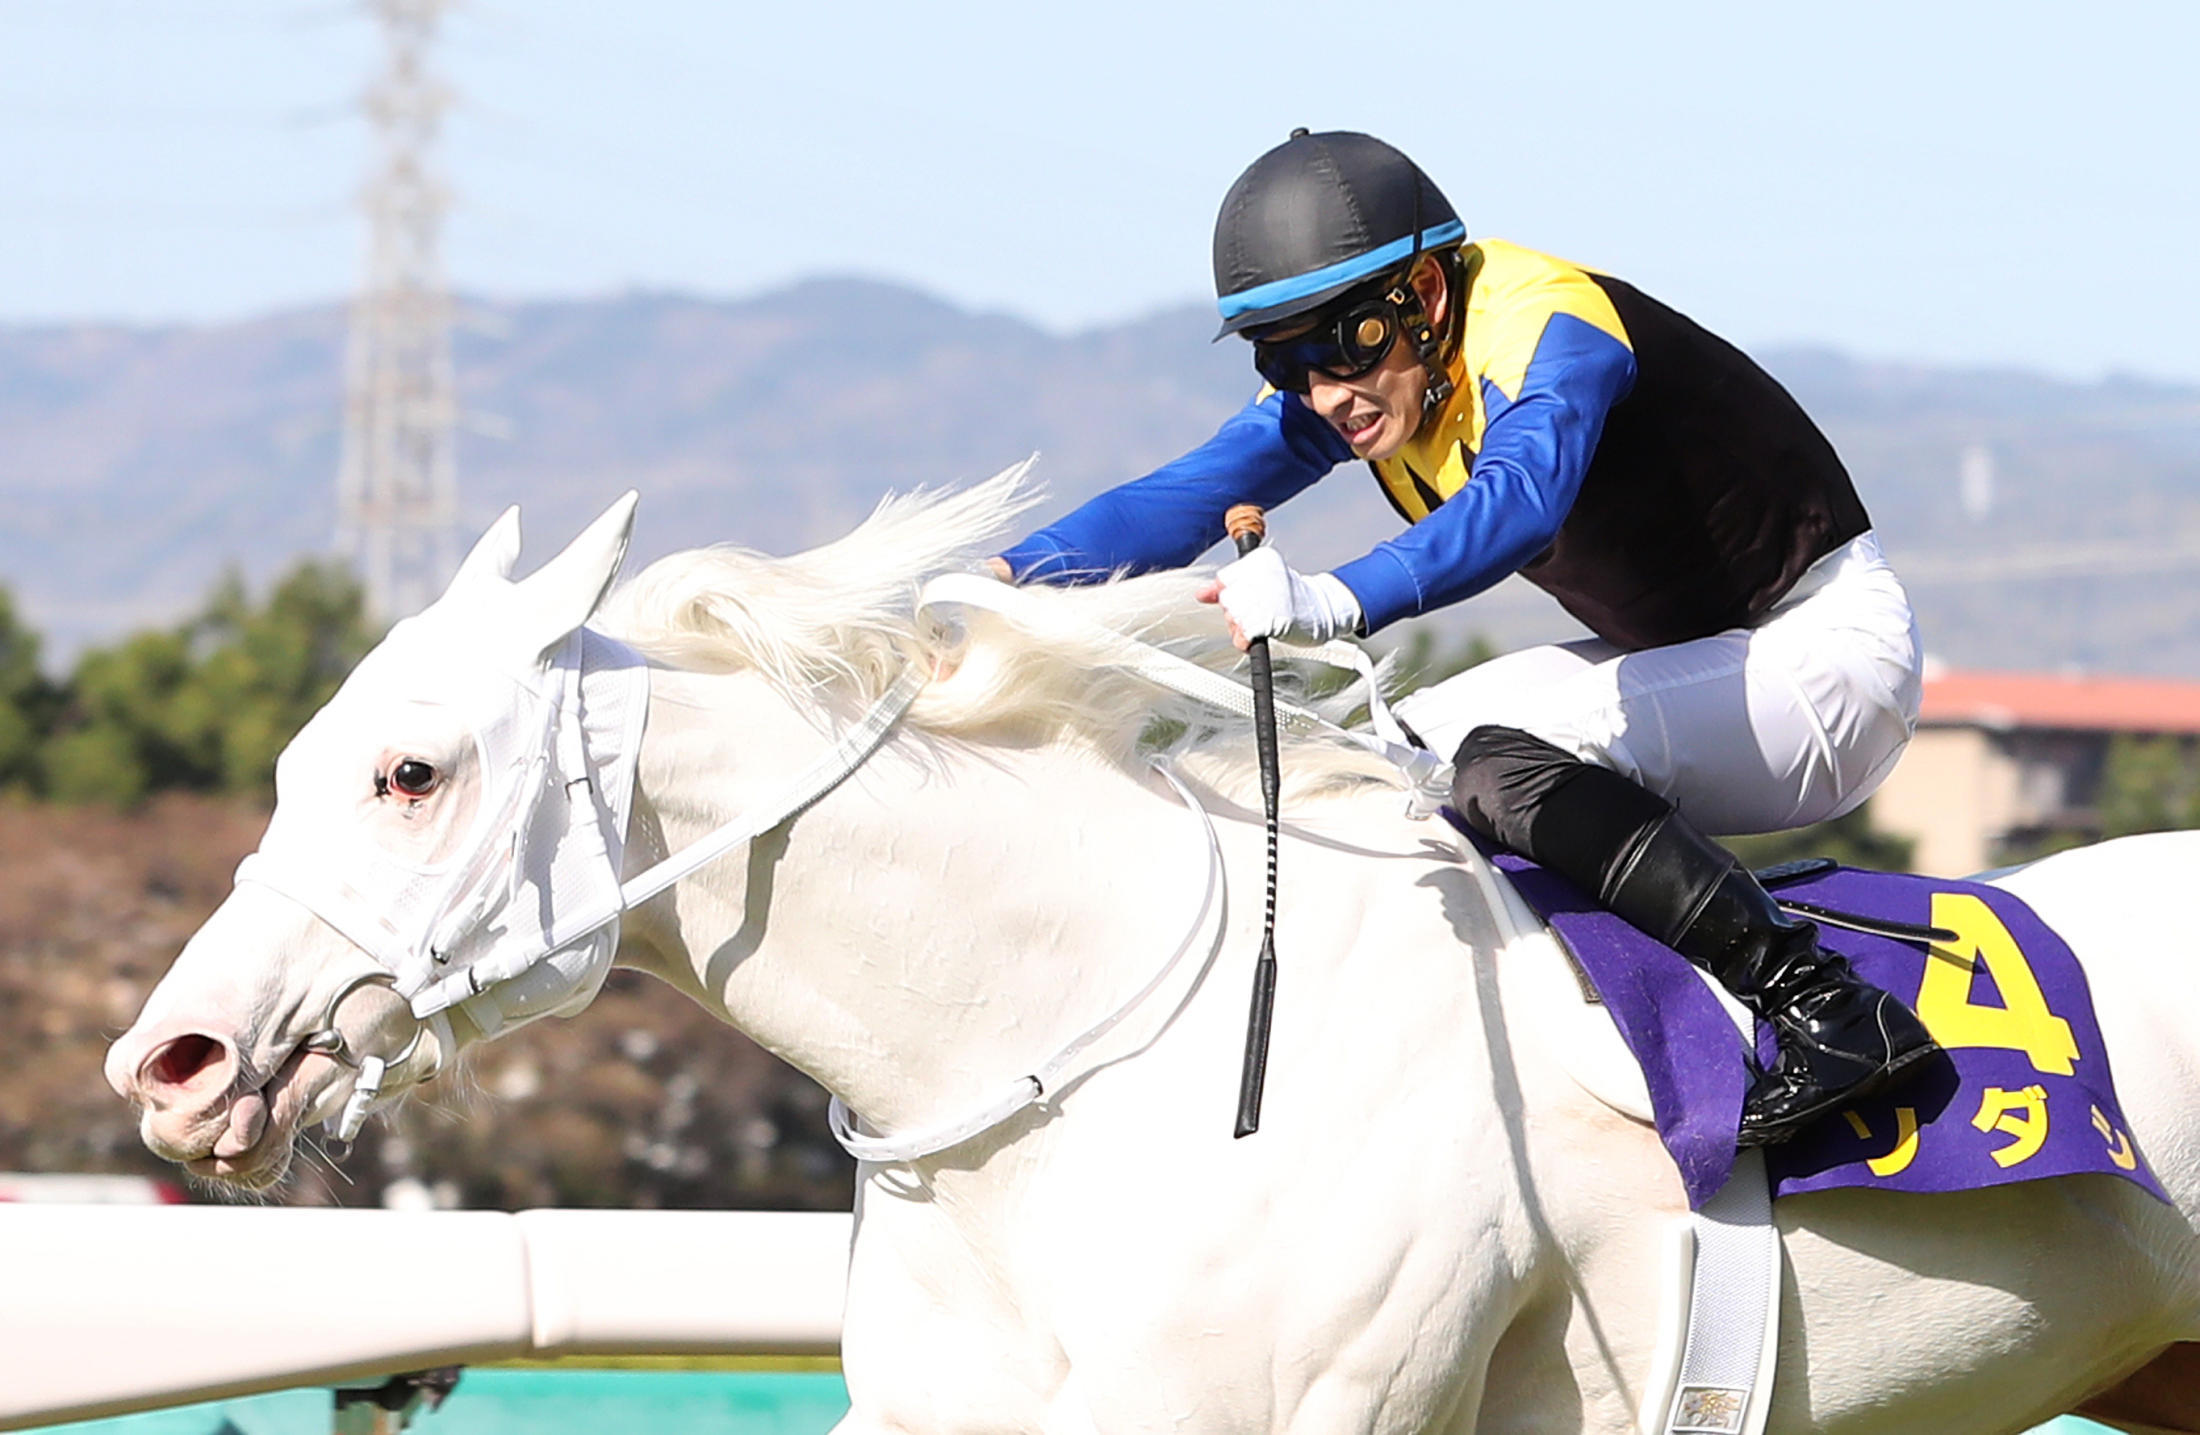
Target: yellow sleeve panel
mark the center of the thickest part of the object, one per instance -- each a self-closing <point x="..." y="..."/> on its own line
<point x="1514" y="297"/>
<point x="1511" y="298"/>
<point x="1433" y="466"/>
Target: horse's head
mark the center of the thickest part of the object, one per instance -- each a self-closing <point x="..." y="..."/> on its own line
<point x="422" y="819"/>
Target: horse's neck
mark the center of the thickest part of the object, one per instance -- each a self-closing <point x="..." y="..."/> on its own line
<point x="935" y="928"/>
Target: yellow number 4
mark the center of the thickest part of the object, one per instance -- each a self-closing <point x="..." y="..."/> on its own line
<point x="2022" y="1022"/>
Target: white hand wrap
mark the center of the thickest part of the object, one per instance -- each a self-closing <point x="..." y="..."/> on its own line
<point x="1267" y="598"/>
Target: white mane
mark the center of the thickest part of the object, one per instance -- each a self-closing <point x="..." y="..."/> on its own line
<point x="842" y="618"/>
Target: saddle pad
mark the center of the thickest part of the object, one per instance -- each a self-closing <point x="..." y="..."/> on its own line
<point x="2023" y="1092"/>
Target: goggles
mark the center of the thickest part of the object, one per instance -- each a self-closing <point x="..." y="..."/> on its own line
<point x="1345" y="346"/>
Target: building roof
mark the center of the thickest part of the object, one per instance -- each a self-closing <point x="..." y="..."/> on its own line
<point x="2070" y="703"/>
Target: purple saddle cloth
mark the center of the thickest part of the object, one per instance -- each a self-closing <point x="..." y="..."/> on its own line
<point x="2024" y="1090"/>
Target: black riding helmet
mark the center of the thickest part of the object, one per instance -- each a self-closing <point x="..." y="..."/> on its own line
<point x="1316" y="216"/>
<point x="1328" y="217"/>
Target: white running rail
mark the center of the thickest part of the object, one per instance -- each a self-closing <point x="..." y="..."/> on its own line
<point x="110" y="1309"/>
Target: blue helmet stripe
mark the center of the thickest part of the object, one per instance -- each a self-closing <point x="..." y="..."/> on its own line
<point x="1344" y="271"/>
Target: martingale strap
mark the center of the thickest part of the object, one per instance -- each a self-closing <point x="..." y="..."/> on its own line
<point x="1028" y="1090"/>
<point x="1424" y="773"/>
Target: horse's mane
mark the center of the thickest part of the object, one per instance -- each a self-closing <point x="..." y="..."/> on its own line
<point x="841" y="619"/>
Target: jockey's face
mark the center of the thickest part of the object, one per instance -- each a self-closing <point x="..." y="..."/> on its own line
<point x="1378" y="411"/>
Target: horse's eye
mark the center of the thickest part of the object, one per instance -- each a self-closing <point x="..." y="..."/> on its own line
<point x="413" y="777"/>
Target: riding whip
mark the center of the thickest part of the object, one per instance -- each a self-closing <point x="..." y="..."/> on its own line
<point x="1246" y="527"/>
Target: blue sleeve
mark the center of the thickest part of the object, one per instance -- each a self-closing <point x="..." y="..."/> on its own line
<point x="1268" y="451"/>
<point x="1535" y="450"/>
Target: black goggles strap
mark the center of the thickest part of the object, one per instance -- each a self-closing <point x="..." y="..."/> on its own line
<point x="1427" y="346"/>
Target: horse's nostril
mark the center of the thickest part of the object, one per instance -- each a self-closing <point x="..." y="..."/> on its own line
<point x="183" y="1060"/>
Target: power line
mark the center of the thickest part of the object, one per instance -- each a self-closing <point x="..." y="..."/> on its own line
<point x="397" y="485"/>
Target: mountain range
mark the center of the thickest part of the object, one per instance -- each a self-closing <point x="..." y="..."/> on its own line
<point x="2042" y="523"/>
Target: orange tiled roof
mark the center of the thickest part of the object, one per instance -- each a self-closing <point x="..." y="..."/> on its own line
<point x="2048" y="700"/>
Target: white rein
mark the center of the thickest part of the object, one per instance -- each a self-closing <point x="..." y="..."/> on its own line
<point x="1423" y="772"/>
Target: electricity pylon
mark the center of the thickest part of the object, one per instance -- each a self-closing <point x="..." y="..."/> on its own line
<point x="397" y="486"/>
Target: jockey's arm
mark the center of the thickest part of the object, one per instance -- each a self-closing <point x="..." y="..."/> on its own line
<point x="1269" y="451"/>
<point x="1535" y="448"/>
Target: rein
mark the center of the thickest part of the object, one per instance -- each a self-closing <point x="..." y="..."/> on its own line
<point x="801" y="793"/>
<point x="1029" y="1090"/>
<point x="1426" y="776"/>
<point x="1422" y="771"/>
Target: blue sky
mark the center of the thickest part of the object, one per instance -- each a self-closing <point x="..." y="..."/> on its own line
<point x="2007" y="184"/>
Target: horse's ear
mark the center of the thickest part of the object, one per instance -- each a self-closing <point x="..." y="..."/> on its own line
<point x="493" y="555"/>
<point x="563" y="592"/>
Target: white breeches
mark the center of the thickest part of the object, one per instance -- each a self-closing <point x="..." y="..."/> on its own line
<point x="1793" y="721"/>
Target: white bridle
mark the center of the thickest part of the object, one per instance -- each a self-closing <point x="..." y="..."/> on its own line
<point x="523" y="920"/>
<point x="527" y="903"/>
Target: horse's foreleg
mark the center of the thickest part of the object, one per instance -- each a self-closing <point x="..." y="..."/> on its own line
<point x="2161" y="1397"/>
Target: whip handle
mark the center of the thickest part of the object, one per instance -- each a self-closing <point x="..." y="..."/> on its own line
<point x="1246" y="527"/>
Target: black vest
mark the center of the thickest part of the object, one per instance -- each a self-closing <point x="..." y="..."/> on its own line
<point x="1709" y="494"/>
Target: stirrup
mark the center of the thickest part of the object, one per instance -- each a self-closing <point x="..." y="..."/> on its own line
<point x="1788" y="1128"/>
<point x="1904" y="1051"/>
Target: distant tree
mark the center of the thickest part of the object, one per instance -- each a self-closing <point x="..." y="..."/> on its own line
<point x="29" y="702"/>
<point x="2031" y="847"/>
<point x="120" y="738"/>
<point x="206" y="707"/>
<point x="2148" y="784"/>
<point x="266" y="670"/>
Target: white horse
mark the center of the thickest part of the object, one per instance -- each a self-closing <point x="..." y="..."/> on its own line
<point x="1438" y="1228"/>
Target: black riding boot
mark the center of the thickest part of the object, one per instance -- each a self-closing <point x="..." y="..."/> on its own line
<point x="1840" y="1038"/>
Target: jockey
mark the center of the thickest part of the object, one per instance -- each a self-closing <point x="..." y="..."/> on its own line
<point x="1755" y="665"/>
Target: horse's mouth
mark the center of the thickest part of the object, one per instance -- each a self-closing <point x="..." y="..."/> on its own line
<point x="252" y="1171"/>
<point x="248" y="1141"/>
